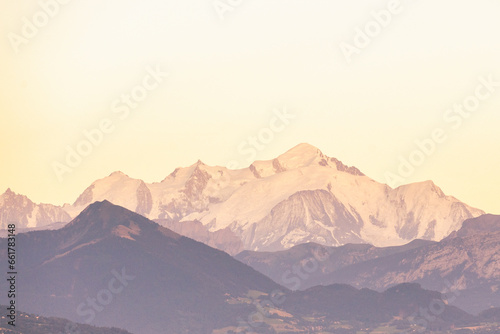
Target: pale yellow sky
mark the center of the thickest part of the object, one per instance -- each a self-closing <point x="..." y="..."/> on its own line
<point x="225" y="78"/>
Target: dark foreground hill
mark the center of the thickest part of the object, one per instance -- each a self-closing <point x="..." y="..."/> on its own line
<point x="113" y="267"/>
<point x="27" y="323"/>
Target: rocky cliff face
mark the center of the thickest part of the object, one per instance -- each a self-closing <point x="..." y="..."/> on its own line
<point x="306" y="216"/>
<point x="24" y="213"/>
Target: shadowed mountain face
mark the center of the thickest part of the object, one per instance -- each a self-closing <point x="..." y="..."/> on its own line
<point x="293" y="268"/>
<point x="113" y="267"/>
<point x="466" y="265"/>
<point x="224" y="239"/>
<point x="481" y="225"/>
<point x="342" y="302"/>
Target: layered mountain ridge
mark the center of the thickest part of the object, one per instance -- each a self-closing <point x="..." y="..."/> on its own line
<point x="113" y="267"/>
<point x="300" y="196"/>
<point x="465" y="265"/>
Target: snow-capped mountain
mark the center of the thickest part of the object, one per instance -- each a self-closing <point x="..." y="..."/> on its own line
<point x="21" y="210"/>
<point x="304" y="196"/>
<point x="301" y="196"/>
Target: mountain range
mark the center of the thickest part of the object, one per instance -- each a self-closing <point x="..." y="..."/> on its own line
<point x="465" y="265"/>
<point x="19" y="209"/>
<point x="301" y="196"/>
<point x="112" y="267"/>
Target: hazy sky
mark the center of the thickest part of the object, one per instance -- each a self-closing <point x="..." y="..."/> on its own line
<point x="232" y="65"/>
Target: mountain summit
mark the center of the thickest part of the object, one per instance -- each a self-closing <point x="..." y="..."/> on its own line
<point x="300" y="156"/>
<point x="104" y="219"/>
<point x="304" y="155"/>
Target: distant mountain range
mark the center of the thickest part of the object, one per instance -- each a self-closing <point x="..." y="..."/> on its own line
<point x="21" y="210"/>
<point x="112" y="267"/>
<point x="301" y="196"/>
<point x="465" y="265"/>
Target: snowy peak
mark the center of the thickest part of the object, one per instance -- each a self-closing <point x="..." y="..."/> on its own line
<point x="118" y="174"/>
<point x="305" y="155"/>
<point x="300" y="156"/>
<point x="118" y="188"/>
<point x="417" y="188"/>
<point x="182" y="174"/>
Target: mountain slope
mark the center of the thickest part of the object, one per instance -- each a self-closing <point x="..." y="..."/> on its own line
<point x="313" y="198"/>
<point x="143" y="277"/>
